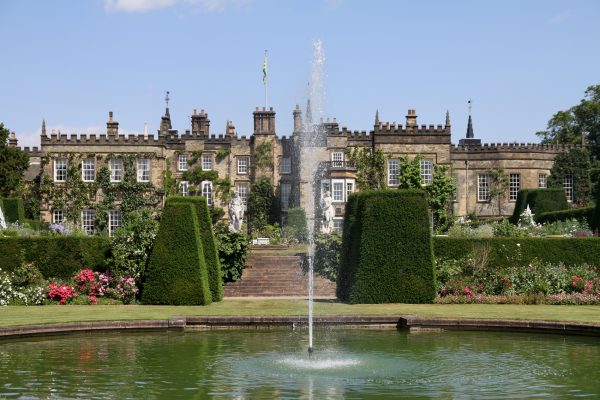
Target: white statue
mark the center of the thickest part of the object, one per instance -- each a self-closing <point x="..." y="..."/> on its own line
<point x="236" y="213"/>
<point x="2" y="220"/>
<point x="328" y="213"/>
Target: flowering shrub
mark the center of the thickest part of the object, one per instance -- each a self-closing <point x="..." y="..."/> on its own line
<point x="24" y="286"/>
<point x="58" y="291"/>
<point x="126" y="289"/>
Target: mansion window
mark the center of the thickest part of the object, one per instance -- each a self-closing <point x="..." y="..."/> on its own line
<point x="116" y="169"/>
<point x="88" y="170"/>
<point x="184" y="188"/>
<point x="568" y="186"/>
<point x="339" y="189"/>
<point x="60" y="170"/>
<point x="115" y="220"/>
<point x="286" y="190"/>
<point x="207" y="192"/>
<point x="182" y="162"/>
<point x="542" y="184"/>
<point x="242" y="191"/>
<point x="337" y="159"/>
<point x="242" y="165"/>
<point x="58" y="216"/>
<point x="483" y="188"/>
<point x="206" y="162"/>
<point x="286" y="165"/>
<point x="393" y="172"/>
<point x="427" y="171"/>
<point x="338" y="224"/>
<point x="514" y="184"/>
<point x="88" y="219"/>
<point x="143" y="170"/>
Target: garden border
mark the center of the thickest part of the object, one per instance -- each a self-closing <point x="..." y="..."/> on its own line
<point x="404" y="322"/>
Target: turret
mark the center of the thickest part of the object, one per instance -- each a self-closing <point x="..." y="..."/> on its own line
<point x="230" y="129"/>
<point x="43" y="128"/>
<point x="264" y="121"/>
<point x="200" y="123"/>
<point x="411" y="118"/>
<point x="297" y="119"/>
<point x="12" y="140"/>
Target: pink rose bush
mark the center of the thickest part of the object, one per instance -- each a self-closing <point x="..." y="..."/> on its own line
<point x="93" y="286"/>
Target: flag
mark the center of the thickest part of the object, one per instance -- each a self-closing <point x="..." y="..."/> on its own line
<point x="265" y="69"/>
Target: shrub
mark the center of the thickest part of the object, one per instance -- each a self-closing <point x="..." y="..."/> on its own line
<point x="262" y="204"/>
<point x="176" y="272"/>
<point x="510" y="251"/>
<point x="273" y="232"/>
<point x="132" y="244"/>
<point x="295" y="228"/>
<point x="581" y="214"/>
<point x="233" y="252"/>
<point x="13" y="209"/>
<point x="539" y="201"/>
<point x="393" y="261"/>
<point x="54" y="256"/>
<point x="209" y="243"/>
<point x="327" y="255"/>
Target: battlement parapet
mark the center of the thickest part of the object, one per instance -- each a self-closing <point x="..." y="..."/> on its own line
<point x="398" y="129"/>
<point x="536" y="147"/>
<point x="102" y="139"/>
<point x="32" y="151"/>
<point x="356" y="135"/>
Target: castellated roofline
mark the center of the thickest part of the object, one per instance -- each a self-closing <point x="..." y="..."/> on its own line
<point x="495" y="147"/>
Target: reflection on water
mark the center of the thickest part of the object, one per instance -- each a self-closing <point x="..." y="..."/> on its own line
<point x="354" y="364"/>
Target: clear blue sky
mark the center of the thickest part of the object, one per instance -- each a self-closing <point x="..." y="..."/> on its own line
<point x="70" y="62"/>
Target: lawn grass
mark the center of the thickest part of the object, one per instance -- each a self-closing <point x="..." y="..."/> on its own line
<point x="19" y="315"/>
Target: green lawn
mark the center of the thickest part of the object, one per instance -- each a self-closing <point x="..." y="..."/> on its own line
<point x="15" y="315"/>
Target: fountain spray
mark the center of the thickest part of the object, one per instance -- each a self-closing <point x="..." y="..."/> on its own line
<point x="311" y="145"/>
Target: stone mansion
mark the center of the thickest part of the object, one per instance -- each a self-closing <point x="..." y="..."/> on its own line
<point x="236" y="157"/>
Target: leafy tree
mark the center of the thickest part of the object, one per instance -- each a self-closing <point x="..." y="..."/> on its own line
<point x="439" y="195"/>
<point x="233" y="252"/>
<point x="370" y="167"/>
<point x="579" y="121"/>
<point x="498" y="186"/>
<point x="13" y="162"/>
<point x="576" y="163"/>
<point x="410" y="173"/>
<point x="132" y="244"/>
<point x="262" y="204"/>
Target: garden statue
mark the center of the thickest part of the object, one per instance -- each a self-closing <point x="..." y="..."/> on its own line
<point x="236" y="213"/>
<point x="2" y="220"/>
<point x="328" y="213"/>
<point x="526" y="218"/>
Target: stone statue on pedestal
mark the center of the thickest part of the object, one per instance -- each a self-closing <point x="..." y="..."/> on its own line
<point x="2" y="220"/>
<point x="328" y="213"/>
<point x="236" y="213"/>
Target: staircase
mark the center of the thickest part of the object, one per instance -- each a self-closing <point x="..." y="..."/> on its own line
<point x="277" y="275"/>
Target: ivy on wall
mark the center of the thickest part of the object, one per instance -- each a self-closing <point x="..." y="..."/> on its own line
<point x="100" y="195"/>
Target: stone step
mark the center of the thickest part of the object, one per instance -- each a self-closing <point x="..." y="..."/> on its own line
<point x="278" y="275"/>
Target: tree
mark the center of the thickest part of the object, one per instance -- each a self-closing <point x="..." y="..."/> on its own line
<point x="498" y="185"/>
<point x="575" y="163"/>
<point x="262" y="204"/>
<point x="370" y="167"/>
<point x="439" y="193"/>
<point x="410" y="173"/>
<point x="578" y="122"/>
<point x="13" y="162"/>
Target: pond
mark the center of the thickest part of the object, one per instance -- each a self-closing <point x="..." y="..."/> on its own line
<point x="265" y="364"/>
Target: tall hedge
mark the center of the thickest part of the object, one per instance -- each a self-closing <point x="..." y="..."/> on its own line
<point x="502" y="251"/>
<point x="295" y="228"/>
<point x="13" y="209"/>
<point x="391" y="258"/>
<point x="209" y="243"/>
<point x="583" y="213"/>
<point x="176" y="272"/>
<point x="540" y="201"/>
<point x="55" y="256"/>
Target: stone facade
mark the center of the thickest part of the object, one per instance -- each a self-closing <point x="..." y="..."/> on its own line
<point x="265" y="154"/>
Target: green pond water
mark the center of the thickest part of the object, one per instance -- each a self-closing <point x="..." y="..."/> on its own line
<point x="263" y="364"/>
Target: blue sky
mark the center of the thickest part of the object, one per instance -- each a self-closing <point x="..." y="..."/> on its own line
<point x="71" y="62"/>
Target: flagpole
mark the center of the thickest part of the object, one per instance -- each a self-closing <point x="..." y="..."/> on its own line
<point x="266" y="81"/>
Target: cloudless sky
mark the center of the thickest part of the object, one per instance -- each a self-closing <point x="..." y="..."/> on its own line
<point x="71" y="62"/>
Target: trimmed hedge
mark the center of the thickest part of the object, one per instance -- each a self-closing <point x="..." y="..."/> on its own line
<point x="55" y="256"/>
<point x="390" y="258"/>
<point x="176" y="272"/>
<point x="504" y="250"/>
<point x="209" y="243"/>
<point x="13" y="209"/>
<point x="580" y="214"/>
<point x="540" y="201"/>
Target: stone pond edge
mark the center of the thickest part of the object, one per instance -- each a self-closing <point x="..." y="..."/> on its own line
<point x="405" y="322"/>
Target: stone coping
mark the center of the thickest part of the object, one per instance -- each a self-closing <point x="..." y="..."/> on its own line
<point x="406" y="322"/>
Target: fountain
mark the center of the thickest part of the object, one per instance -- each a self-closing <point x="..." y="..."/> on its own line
<point x="2" y="220"/>
<point x="311" y="139"/>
